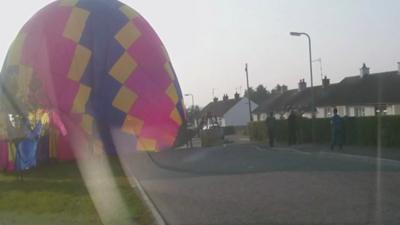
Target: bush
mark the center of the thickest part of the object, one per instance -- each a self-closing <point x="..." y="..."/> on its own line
<point x="357" y="131"/>
<point x="229" y="130"/>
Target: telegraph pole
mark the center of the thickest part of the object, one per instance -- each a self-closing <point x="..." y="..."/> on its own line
<point x="248" y="91"/>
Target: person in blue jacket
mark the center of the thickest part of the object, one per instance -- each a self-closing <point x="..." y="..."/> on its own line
<point x="337" y="128"/>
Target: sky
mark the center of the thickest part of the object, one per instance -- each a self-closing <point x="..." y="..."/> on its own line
<point x="209" y="41"/>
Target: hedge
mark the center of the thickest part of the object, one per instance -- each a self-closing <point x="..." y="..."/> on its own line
<point x="358" y="131"/>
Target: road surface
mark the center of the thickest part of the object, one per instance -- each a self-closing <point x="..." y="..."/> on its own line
<point x="248" y="184"/>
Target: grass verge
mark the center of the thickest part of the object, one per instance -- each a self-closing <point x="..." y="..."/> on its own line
<point x="56" y="194"/>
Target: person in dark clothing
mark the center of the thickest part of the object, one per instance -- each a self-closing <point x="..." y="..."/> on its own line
<point x="337" y="130"/>
<point x="270" y="123"/>
<point x="292" y="127"/>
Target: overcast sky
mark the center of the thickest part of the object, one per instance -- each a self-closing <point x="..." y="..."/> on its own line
<point x="209" y="41"/>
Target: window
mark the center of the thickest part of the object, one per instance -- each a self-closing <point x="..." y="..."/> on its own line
<point x="328" y="112"/>
<point x="359" y="111"/>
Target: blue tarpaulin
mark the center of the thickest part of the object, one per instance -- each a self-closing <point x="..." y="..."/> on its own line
<point x="27" y="150"/>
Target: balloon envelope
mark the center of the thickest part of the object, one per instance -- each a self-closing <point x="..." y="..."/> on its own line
<point x="101" y="65"/>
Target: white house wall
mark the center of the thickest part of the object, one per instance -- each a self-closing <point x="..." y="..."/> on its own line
<point x="393" y="110"/>
<point x="239" y="114"/>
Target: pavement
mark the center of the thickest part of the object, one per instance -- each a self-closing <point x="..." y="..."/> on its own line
<point x="253" y="184"/>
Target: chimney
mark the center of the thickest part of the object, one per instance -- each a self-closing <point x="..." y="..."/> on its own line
<point x="284" y="88"/>
<point x="215" y="99"/>
<point x="225" y="97"/>
<point x="398" y="68"/>
<point x="302" y="85"/>
<point x="237" y="96"/>
<point x="325" y="82"/>
<point x="364" y="71"/>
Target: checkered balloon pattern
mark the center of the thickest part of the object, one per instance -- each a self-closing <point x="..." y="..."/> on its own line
<point x="101" y="64"/>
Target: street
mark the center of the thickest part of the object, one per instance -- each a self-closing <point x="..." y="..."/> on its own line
<point x="250" y="184"/>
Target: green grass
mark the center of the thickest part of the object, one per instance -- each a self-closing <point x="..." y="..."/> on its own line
<point x="56" y="194"/>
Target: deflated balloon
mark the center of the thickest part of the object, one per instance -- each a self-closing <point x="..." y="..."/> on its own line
<point x="101" y="65"/>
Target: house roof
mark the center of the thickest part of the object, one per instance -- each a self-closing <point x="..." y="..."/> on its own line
<point x="378" y="88"/>
<point x="219" y="108"/>
<point x="276" y="102"/>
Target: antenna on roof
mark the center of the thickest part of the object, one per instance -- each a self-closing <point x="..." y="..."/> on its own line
<point x="320" y="66"/>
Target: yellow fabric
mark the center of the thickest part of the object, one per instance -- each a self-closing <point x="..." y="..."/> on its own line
<point x="132" y="125"/>
<point x="124" y="99"/>
<point x="79" y="62"/>
<point x="123" y="68"/>
<point x="24" y="78"/>
<point x="12" y="152"/>
<point x="68" y="2"/>
<point x="87" y="123"/>
<point x="75" y="24"/>
<point x="81" y="99"/>
<point x="176" y="117"/>
<point x="128" y="35"/>
<point x="146" y="144"/>
<point x="129" y="12"/>
<point x="168" y="69"/>
<point x="172" y="93"/>
<point x="14" y="56"/>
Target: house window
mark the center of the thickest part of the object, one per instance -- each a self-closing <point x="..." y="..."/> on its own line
<point x="359" y="111"/>
<point x="341" y="111"/>
<point x="328" y="112"/>
<point x="381" y="110"/>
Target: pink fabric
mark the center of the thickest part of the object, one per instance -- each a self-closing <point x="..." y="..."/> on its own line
<point x="50" y="55"/>
<point x="3" y="154"/>
<point x="154" y="111"/>
<point x="57" y="122"/>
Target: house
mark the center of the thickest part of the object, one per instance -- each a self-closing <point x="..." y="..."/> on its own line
<point x="229" y="112"/>
<point x="362" y="95"/>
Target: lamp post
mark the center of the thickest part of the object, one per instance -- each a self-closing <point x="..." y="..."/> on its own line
<point x="311" y="77"/>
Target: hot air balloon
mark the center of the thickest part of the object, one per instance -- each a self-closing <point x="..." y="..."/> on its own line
<point x="94" y="67"/>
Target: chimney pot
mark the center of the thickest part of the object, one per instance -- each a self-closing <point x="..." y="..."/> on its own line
<point x="325" y="82"/>
<point x="237" y="96"/>
<point x="215" y="99"/>
<point x="302" y="85"/>
<point x="364" y="71"/>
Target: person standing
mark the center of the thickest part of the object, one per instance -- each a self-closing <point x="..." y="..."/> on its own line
<point x="337" y="130"/>
<point x="270" y="123"/>
<point x="292" y="128"/>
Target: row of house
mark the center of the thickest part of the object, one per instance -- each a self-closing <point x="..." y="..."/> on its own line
<point x="366" y="94"/>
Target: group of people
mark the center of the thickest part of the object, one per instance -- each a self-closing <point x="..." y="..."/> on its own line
<point x="27" y="141"/>
<point x="337" y="129"/>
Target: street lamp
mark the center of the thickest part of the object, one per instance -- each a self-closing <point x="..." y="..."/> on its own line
<point x="311" y="76"/>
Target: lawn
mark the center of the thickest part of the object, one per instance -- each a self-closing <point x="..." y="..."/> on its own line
<point x="56" y="194"/>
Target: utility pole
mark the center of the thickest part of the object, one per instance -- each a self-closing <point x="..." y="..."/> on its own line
<point x="248" y="91"/>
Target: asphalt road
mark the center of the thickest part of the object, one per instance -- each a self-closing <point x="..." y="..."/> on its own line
<point x="245" y="184"/>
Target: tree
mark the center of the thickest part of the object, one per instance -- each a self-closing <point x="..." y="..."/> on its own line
<point x="193" y="113"/>
<point x="258" y="95"/>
